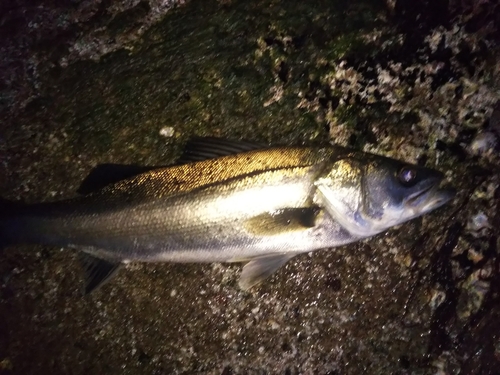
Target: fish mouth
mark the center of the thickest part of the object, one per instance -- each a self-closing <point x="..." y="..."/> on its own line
<point x="430" y="197"/>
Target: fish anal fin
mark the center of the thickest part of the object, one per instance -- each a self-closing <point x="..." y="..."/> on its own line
<point x="204" y="148"/>
<point x="97" y="271"/>
<point x="260" y="268"/>
<point x="283" y="221"/>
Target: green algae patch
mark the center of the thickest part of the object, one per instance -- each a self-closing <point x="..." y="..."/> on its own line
<point x="241" y="69"/>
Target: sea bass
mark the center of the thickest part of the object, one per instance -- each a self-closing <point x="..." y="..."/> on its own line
<point x="228" y="201"/>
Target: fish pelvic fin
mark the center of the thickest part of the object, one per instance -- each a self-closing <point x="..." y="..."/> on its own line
<point x="97" y="271"/>
<point x="260" y="268"/>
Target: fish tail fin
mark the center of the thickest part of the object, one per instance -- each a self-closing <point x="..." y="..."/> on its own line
<point x="8" y="210"/>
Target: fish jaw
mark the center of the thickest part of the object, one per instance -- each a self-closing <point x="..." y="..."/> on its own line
<point x="430" y="199"/>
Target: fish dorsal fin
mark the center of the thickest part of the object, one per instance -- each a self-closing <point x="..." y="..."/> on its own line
<point x="283" y="221"/>
<point x="97" y="271"/>
<point x="108" y="174"/>
<point x="260" y="268"/>
<point x="204" y="148"/>
<point x="197" y="149"/>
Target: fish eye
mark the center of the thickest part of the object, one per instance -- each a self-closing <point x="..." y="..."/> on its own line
<point x="407" y="175"/>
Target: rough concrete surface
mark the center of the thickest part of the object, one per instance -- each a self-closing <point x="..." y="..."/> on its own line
<point x="90" y="82"/>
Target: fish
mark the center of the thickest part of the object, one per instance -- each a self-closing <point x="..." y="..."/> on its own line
<point x="229" y="201"/>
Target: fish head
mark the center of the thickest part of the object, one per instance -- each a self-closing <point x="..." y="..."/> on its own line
<point x="368" y="194"/>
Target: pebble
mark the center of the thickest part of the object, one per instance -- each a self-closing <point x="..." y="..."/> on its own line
<point x="167" y="132"/>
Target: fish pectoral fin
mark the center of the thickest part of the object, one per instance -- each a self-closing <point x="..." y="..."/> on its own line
<point x="204" y="148"/>
<point x="97" y="271"/>
<point x="260" y="268"/>
<point x="282" y="221"/>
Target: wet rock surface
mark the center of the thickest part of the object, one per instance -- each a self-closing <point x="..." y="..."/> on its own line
<point x="88" y="82"/>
